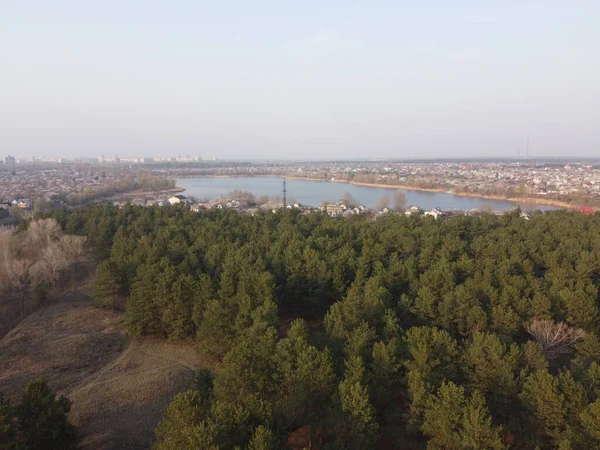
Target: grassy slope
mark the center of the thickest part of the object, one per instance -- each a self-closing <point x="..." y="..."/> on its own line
<point x="118" y="386"/>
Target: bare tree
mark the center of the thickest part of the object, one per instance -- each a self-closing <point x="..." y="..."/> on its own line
<point x="399" y="201"/>
<point x="7" y="244"/>
<point x="41" y="233"/>
<point x="349" y="200"/>
<point x="51" y="265"/>
<point x="18" y="279"/>
<point x="554" y="338"/>
<point x="383" y="202"/>
<point x="72" y="247"/>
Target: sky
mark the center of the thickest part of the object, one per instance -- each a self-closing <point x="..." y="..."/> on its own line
<point x="299" y="80"/>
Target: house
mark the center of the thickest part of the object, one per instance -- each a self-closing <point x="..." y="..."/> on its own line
<point x="385" y="210"/>
<point x="23" y="203"/>
<point x="413" y="210"/>
<point x="524" y="215"/>
<point x="435" y="213"/>
<point x="179" y="199"/>
<point x="334" y="210"/>
<point x="586" y="210"/>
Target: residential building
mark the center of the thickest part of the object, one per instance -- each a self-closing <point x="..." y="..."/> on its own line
<point x="10" y="162"/>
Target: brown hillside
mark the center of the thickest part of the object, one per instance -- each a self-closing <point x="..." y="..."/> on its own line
<point x="118" y="386"/>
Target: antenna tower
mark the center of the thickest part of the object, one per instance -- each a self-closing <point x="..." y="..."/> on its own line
<point x="284" y="191"/>
<point x="527" y="153"/>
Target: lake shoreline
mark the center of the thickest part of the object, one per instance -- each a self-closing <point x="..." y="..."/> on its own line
<point x="524" y="200"/>
<point x="521" y="200"/>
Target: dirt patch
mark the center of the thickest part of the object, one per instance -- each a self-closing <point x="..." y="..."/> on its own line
<point x="118" y="387"/>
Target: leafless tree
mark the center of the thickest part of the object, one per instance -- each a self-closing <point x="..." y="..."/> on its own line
<point x="51" y="265"/>
<point x="72" y="247"/>
<point x="383" y="202"/>
<point x="349" y="200"/>
<point x="17" y="275"/>
<point x="399" y="201"/>
<point x="7" y="243"/>
<point x="554" y="338"/>
<point x="41" y="233"/>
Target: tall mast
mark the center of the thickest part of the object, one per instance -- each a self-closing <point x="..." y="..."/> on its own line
<point x="284" y="191"/>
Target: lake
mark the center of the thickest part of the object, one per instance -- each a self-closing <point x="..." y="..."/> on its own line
<point x="314" y="193"/>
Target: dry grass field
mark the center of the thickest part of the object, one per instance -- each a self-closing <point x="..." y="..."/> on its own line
<point x="118" y="387"/>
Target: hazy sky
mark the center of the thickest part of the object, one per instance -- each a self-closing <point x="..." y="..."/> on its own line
<point x="302" y="79"/>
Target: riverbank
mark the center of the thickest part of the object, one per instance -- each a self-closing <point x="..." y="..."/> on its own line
<point x="142" y="192"/>
<point x="523" y="200"/>
<point x="402" y="187"/>
<point x="316" y="179"/>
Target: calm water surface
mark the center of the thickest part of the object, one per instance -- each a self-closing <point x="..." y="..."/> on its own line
<point x="313" y="193"/>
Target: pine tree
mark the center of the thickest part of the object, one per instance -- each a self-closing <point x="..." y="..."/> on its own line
<point x="143" y="315"/>
<point x="477" y="431"/>
<point x="41" y="419"/>
<point x="262" y="439"/>
<point x="7" y="430"/>
<point x="177" y="312"/>
<point x="360" y="424"/>
<point x="432" y="355"/>
<point x="442" y="420"/>
<point x="491" y="369"/>
<point x="305" y="377"/>
<point x="385" y="373"/>
<point x="546" y="405"/>
<point x="106" y="285"/>
<point x="590" y="420"/>
<point x="176" y="429"/>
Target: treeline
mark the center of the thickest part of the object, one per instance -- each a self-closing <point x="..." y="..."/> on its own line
<point x="403" y="332"/>
<point x="125" y="183"/>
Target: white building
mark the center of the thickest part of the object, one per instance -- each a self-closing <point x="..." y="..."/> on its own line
<point x="435" y="213"/>
<point x="178" y="199"/>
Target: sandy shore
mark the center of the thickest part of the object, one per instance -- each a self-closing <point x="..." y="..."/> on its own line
<point x="523" y="200"/>
<point x="401" y="186"/>
<point x="315" y="179"/>
<point x="141" y="192"/>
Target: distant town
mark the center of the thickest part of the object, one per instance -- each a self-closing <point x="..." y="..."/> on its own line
<point x="42" y="184"/>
